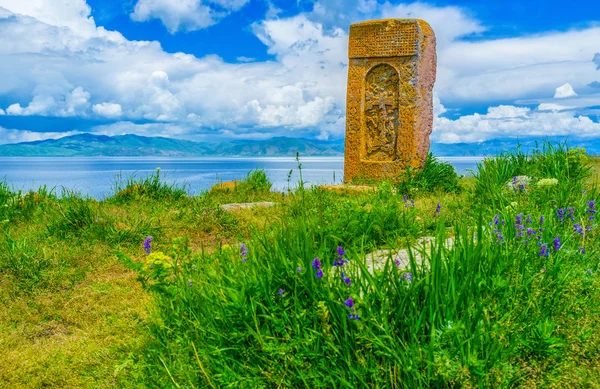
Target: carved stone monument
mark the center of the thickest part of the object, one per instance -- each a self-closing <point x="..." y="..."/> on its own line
<point x="392" y="65"/>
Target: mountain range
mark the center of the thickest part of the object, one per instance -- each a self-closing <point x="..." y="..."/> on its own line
<point x="134" y="145"/>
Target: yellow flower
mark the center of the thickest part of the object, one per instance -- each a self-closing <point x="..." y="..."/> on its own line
<point x="547" y="182"/>
<point x="159" y="258"/>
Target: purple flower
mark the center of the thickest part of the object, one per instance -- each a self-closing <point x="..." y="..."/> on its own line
<point x="299" y="269"/>
<point x="407" y="277"/>
<point x="521" y="186"/>
<point x="557" y="244"/>
<point x="542" y="220"/>
<point x="281" y="292"/>
<point x="544" y="252"/>
<point x="496" y="219"/>
<point x="316" y="263"/>
<point x="589" y="228"/>
<point x="438" y="208"/>
<point x="353" y="316"/>
<point x="349" y="303"/>
<point x="341" y="252"/>
<point x="243" y="252"/>
<point x="581" y="250"/>
<point x="404" y="198"/>
<point x="561" y="214"/>
<point x="519" y="228"/>
<point x="148" y="244"/>
<point x="514" y="180"/>
<point x="589" y="272"/>
<point x="571" y="212"/>
<point x="528" y="220"/>
<point x="499" y="236"/>
<point x="577" y="228"/>
<point x="346" y="280"/>
<point x="519" y="219"/>
<point x="319" y="273"/>
<point x="530" y="231"/>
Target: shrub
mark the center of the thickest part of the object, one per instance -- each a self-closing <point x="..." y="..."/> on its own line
<point x="434" y="176"/>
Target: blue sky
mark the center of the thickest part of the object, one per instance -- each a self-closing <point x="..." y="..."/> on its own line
<point x="252" y="69"/>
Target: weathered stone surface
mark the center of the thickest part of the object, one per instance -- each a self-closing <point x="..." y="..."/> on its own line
<point x="236" y="206"/>
<point x="392" y="66"/>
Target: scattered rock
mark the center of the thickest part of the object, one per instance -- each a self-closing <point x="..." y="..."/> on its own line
<point x="236" y="206"/>
<point x="377" y="259"/>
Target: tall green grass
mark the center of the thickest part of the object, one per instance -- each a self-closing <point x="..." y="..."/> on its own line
<point x="500" y="307"/>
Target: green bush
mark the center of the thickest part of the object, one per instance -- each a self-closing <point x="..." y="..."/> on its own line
<point x="434" y="176"/>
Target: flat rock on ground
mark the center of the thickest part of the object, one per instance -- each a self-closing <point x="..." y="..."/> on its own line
<point x="236" y="206"/>
<point x="377" y="259"/>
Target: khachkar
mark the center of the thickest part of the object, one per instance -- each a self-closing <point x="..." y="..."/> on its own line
<point x="392" y="65"/>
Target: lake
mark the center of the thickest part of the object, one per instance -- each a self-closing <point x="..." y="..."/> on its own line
<point x="95" y="176"/>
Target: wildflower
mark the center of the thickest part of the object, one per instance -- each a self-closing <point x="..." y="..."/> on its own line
<point x="528" y="220"/>
<point x="244" y="252"/>
<point x="521" y="187"/>
<point x="316" y="263"/>
<point x="438" y="208"/>
<point x="148" y="244"/>
<point x="499" y="236"/>
<point x="519" y="219"/>
<point x="319" y="273"/>
<point x="542" y="219"/>
<point x="496" y="219"/>
<point x="547" y="182"/>
<point x="398" y="263"/>
<point x="544" y="252"/>
<point x="561" y="214"/>
<point x="407" y="277"/>
<point x="349" y="303"/>
<point x="557" y="244"/>
<point x="530" y="231"/>
<point x="353" y="316"/>
<point x="582" y="250"/>
<point x="591" y="209"/>
<point x="589" y="228"/>
<point x="589" y="272"/>
<point x="346" y="280"/>
<point x="571" y="213"/>
<point x="577" y="228"/>
<point x="404" y="197"/>
<point x="341" y="261"/>
<point x="299" y="269"/>
<point x="281" y="292"/>
<point x="190" y="284"/>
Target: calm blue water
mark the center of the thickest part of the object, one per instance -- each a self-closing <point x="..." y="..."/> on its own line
<point x="95" y="176"/>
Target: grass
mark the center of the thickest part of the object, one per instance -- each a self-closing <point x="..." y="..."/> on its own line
<point x="500" y="307"/>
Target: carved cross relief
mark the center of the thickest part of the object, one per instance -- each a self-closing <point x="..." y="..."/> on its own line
<point x="381" y="114"/>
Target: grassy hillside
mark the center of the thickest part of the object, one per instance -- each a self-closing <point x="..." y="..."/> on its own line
<point x="133" y="145"/>
<point x="238" y="298"/>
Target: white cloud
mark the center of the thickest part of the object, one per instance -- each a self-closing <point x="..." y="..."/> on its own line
<point x="2" y="112"/>
<point x="563" y="91"/>
<point x="109" y="110"/>
<point x="185" y="15"/>
<point x="62" y="64"/>
<point x="54" y="100"/>
<point x="17" y="136"/>
<point x="510" y="122"/>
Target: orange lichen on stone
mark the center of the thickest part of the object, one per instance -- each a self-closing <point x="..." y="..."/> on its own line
<point x="348" y="189"/>
<point x="389" y="110"/>
<point x="227" y="186"/>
